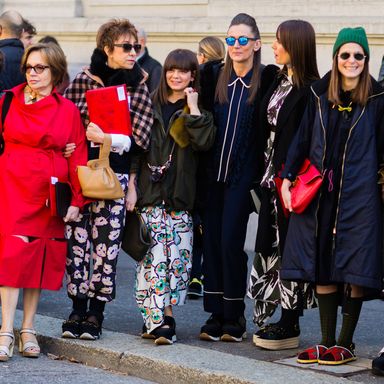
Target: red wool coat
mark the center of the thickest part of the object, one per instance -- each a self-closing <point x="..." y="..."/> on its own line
<point x="35" y="136"/>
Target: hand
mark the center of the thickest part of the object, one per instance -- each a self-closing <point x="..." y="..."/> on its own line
<point x="382" y="192"/>
<point x="94" y="133"/>
<point x="69" y="149"/>
<point x="286" y="194"/>
<point x="72" y="214"/>
<point x="131" y="198"/>
<point x="192" y="98"/>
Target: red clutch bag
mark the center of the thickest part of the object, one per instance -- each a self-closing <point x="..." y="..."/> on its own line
<point x="305" y="187"/>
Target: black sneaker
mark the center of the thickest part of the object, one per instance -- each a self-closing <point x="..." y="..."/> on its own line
<point x="145" y="334"/>
<point x="378" y="365"/>
<point x="234" y="330"/>
<point x="276" y="337"/>
<point x="195" y="289"/>
<point x="91" y="327"/>
<point x="71" y="328"/>
<point x="212" y="330"/>
<point x="165" y="336"/>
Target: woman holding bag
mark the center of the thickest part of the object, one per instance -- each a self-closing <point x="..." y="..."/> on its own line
<point x="337" y="241"/>
<point x="99" y="228"/>
<point x="281" y="111"/>
<point x="167" y="184"/>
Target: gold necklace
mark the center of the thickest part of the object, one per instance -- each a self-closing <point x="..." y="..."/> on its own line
<point x="30" y="95"/>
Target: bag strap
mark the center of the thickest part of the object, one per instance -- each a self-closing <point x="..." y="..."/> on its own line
<point x="105" y="148"/>
<point x="4" y="111"/>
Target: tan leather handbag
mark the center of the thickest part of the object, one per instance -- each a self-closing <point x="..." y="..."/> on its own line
<point x="97" y="179"/>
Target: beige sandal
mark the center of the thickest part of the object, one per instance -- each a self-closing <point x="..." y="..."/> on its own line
<point x="6" y="352"/>
<point x="29" y="348"/>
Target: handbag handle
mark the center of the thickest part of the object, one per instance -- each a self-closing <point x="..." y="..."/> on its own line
<point x="143" y="227"/>
<point x="105" y="148"/>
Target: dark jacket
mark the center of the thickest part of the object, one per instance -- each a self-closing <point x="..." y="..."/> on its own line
<point x="177" y="188"/>
<point x="153" y="68"/>
<point x="11" y="75"/>
<point x="357" y="253"/>
<point x="288" y="123"/>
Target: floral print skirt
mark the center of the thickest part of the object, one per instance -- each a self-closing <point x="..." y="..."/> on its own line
<point x="266" y="287"/>
<point x="162" y="277"/>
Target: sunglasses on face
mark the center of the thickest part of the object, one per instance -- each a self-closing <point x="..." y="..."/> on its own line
<point x="243" y="40"/>
<point x="347" y="55"/>
<point x="127" y="47"/>
<point x="39" y="68"/>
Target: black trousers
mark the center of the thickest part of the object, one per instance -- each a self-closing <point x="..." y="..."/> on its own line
<point x="225" y="262"/>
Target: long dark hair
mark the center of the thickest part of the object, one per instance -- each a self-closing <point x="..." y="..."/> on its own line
<point x="299" y="40"/>
<point x="221" y="94"/>
<point x="178" y="59"/>
<point x="360" y="93"/>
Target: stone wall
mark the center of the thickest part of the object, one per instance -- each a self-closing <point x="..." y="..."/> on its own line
<point x="172" y="24"/>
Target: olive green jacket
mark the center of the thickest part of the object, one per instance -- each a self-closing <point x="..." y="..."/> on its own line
<point x="176" y="189"/>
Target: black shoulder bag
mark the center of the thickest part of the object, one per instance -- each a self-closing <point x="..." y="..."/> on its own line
<point x="7" y="102"/>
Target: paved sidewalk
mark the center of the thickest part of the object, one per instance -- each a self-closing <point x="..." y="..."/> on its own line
<point x="179" y="363"/>
<point x="191" y="360"/>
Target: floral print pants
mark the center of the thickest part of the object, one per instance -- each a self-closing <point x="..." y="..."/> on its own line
<point x="162" y="277"/>
<point x="100" y="226"/>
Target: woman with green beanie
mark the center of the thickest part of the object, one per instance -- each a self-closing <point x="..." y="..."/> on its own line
<point x="336" y="242"/>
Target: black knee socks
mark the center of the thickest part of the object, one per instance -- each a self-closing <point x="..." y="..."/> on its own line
<point x="351" y="314"/>
<point x="79" y="306"/>
<point x="328" y="304"/>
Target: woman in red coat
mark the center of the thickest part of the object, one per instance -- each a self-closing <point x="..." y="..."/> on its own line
<point x="38" y="125"/>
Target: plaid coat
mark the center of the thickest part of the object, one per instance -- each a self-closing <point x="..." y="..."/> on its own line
<point x="140" y="105"/>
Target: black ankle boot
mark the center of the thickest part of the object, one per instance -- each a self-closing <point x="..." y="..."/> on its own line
<point x="71" y="328"/>
<point x="91" y="327"/>
<point x="165" y="335"/>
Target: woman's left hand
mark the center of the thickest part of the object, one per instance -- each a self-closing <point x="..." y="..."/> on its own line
<point x="192" y="99"/>
<point x="72" y="214"/>
<point x="131" y="198"/>
<point x="69" y="149"/>
<point x="95" y="133"/>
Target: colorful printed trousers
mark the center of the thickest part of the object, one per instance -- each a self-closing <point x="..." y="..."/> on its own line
<point x="162" y="277"/>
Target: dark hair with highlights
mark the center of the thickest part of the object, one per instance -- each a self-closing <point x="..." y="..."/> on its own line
<point x="221" y="94"/>
<point x="299" y="40"/>
<point x="183" y="59"/>
<point x="109" y="32"/>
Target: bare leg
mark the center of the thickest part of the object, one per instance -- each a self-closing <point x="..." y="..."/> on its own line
<point x="9" y="296"/>
<point x="31" y="298"/>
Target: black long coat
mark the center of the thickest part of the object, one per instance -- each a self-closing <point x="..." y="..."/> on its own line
<point x="288" y="123"/>
<point x="357" y="255"/>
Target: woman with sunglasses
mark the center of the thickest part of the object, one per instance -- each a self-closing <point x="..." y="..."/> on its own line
<point x="236" y="162"/>
<point x="99" y="228"/>
<point x="167" y="183"/>
<point x="336" y="242"/>
<point x="36" y="123"/>
<point x="281" y="111"/>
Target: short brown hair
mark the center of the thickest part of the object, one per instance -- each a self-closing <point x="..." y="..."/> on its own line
<point x="359" y="94"/>
<point x="178" y="59"/>
<point x="110" y="31"/>
<point x="54" y="56"/>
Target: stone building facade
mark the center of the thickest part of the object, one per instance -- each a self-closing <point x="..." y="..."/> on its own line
<point x="182" y="23"/>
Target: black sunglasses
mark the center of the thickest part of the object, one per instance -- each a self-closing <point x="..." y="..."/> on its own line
<point x="243" y="40"/>
<point x="127" y="47"/>
<point x="347" y="55"/>
<point x="39" y="68"/>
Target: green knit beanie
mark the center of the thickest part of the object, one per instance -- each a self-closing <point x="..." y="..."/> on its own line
<point x="352" y="35"/>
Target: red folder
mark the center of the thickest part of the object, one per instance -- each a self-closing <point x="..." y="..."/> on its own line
<point x="109" y="108"/>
